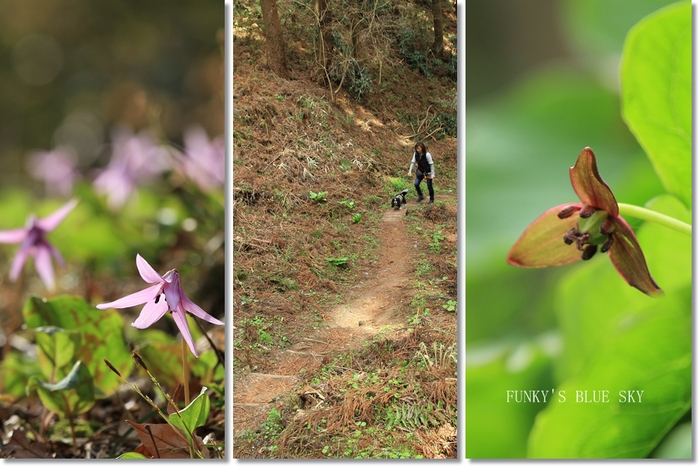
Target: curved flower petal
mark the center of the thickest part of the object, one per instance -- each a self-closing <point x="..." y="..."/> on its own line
<point x="134" y="299"/>
<point x="542" y="243"/>
<point x="627" y="257"/>
<point x="42" y="263"/>
<point x="181" y="320"/>
<point x="147" y="273"/>
<point x="50" y="222"/>
<point x="150" y="313"/>
<point x="20" y="258"/>
<point x="13" y="236"/>
<point x="54" y="252"/>
<point x="193" y="308"/>
<point x="590" y="188"/>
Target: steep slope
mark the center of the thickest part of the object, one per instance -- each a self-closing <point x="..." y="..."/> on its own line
<point x="343" y="306"/>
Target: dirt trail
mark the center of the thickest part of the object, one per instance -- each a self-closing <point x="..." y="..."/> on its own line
<point x="368" y="306"/>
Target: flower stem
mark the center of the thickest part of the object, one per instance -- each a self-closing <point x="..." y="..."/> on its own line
<point x="185" y="373"/>
<point x="653" y="216"/>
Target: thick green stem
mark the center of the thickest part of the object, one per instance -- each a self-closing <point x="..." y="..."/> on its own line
<point x="630" y="210"/>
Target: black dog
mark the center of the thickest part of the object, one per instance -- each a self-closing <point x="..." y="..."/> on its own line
<point x="399" y="199"/>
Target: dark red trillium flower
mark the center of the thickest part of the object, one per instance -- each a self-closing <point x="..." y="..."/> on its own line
<point x="568" y="232"/>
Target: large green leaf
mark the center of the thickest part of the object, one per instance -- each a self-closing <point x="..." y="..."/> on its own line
<point x="194" y="415"/>
<point x="101" y="333"/>
<point x="16" y="368"/>
<point x="656" y="78"/>
<point x="678" y="444"/>
<point x="71" y="396"/>
<point x="651" y="352"/>
<point x="497" y="428"/>
<point x="57" y="347"/>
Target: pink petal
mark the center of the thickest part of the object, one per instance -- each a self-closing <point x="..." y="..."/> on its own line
<point x="172" y="288"/>
<point x="590" y="188"/>
<point x="151" y="313"/>
<point x="134" y="299"/>
<point x="190" y="306"/>
<point x="54" y="252"/>
<point x="181" y="321"/>
<point x="13" y="236"/>
<point x="542" y="243"/>
<point x="42" y="263"/>
<point x="147" y="273"/>
<point x="19" y="260"/>
<point x="50" y="222"/>
<point x="628" y="258"/>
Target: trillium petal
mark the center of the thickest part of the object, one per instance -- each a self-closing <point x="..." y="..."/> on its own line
<point x="150" y="313"/>
<point x="147" y="273"/>
<point x="134" y="299"/>
<point x="51" y="221"/>
<point x="193" y="308"/>
<point x="42" y="263"/>
<point x="628" y="258"/>
<point x="542" y="243"/>
<point x="181" y="320"/>
<point x="13" y="236"/>
<point x="590" y="188"/>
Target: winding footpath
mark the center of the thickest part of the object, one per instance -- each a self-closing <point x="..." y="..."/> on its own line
<point x="369" y="306"/>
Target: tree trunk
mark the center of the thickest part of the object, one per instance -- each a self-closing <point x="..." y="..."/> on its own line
<point x="274" y="41"/>
<point x="438" y="23"/>
<point x="325" y="37"/>
<point x="355" y="29"/>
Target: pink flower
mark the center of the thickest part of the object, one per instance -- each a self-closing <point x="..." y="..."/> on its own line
<point x="204" y="160"/>
<point x="568" y="232"/>
<point x="135" y="161"/>
<point x="34" y="243"/>
<point x="166" y="295"/>
<point x="57" y="168"/>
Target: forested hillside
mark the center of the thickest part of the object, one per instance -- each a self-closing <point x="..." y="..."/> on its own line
<point x="344" y="307"/>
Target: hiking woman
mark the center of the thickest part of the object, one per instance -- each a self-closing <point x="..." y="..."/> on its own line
<point x="425" y="169"/>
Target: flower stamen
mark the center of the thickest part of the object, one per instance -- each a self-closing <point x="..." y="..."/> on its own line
<point x="587" y="211"/>
<point x="588" y="252"/>
<point x="567" y="212"/>
<point x="608" y="243"/>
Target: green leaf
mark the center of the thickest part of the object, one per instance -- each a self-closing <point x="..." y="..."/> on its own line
<point x="16" y="368"/>
<point x="132" y="455"/>
<point x="194" y="415"/>
<point x="342" y="261"/>
<point x="496" y="428"/>
<point x="164" y="360"/>
<point x="656" y="78"/>
<point x="101" y="332"/>
<point x="71" y="396"/>
<point x="678" y="444"/>
<point x="650" y="352"/>
<point x="57" y="347"/>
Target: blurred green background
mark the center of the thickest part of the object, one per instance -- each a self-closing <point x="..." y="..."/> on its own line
<point x="543" y="83"/>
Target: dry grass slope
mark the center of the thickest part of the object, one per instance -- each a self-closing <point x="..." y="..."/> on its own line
<point x="313" y="180"/>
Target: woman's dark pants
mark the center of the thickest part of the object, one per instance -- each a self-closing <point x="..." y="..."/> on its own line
<point x="429" y="181"/>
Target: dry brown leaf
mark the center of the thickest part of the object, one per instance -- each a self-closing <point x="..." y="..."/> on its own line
<point x="19" y="447"/>
<point x="169" y="444"/>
